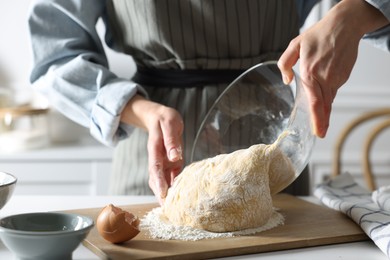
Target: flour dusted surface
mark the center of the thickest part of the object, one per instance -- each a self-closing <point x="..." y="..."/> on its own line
<point x="157" y="226"/>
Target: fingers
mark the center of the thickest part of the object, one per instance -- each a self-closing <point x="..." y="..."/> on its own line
<point x="162" y="175"/>
<point x="173" y="171"/>
<point x="164" y="150"/>
<point x="317" y="98"/>
<point x="156" y="154"/>
<point x="288" y="59"/>
<point x="158" y="184"/>
<point x="172" y="131"/>
<point x="319" y="94"/>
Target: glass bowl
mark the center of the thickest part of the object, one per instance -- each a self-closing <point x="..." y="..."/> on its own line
<point x="255" y="109"/>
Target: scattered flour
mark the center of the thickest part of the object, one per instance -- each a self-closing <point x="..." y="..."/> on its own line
<point x="157" y="226"/>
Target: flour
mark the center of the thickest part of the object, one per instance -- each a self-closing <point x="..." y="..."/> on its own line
<point x="156" y="225"/>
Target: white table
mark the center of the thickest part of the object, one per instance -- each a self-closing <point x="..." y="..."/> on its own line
<point x="23" y="204"/>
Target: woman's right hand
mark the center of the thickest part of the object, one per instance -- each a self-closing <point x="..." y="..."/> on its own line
<point x="165" y="128"/>
<point x="327" y="52"/>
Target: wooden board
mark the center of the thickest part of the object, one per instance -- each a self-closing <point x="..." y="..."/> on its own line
<point x="306" y="225"/>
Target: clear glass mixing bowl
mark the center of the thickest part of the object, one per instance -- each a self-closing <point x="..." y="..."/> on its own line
<point x="256" y="108"/>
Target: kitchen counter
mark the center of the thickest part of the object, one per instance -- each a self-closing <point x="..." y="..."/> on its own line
<point x="86" y="165"/>
<point x="24" y="203"/>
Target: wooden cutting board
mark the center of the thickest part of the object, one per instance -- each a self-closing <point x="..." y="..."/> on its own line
<point x="306" y="225"/>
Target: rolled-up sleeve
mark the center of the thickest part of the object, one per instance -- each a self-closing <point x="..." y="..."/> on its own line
<point x="381" y="37"/>
<point x="71" y="69"/>
<point x="381" y="5"/>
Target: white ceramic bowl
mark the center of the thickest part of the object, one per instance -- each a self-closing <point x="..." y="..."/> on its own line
<point x="256" y="108"/>
<point x="7" y="187"/>
<point x="46" y="235"/>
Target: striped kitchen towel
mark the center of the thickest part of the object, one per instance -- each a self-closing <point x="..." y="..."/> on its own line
<point x="371" y="210"/>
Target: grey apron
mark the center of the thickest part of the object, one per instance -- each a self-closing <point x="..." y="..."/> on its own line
<point x="191" y="35"/>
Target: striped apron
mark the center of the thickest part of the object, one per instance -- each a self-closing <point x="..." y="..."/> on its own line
<point x="191" y="35"/>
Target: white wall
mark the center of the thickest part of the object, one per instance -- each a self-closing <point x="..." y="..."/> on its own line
<point x="14" y="47"/>
<point x="15" y="55"/>
<point x="367" y="89"/>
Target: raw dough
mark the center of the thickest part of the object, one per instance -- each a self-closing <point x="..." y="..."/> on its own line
<point x="229" y="192"/>
<point x="281" y="172"/>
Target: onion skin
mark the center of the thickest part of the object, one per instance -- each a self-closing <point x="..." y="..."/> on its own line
<point x="116" y="225"/>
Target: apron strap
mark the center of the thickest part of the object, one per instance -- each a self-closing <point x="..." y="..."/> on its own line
<point x="173" y="78"/>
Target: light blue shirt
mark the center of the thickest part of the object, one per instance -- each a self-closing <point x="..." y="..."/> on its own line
<point x="73" y="71"/>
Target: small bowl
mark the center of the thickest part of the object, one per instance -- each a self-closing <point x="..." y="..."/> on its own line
<point x="7" y="186"/>
<point x="46" y="235"/>
<point x="255" y="109"/>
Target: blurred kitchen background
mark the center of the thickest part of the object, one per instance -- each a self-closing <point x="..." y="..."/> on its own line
<point x="52" y="155"/>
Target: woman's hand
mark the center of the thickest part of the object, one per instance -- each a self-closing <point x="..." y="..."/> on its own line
<point x="327" y="52"/>
<point x="165" y="129"/>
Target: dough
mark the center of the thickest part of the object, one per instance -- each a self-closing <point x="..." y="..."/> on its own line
<point x="229" y="192"/>
<point x="281" y="172"/>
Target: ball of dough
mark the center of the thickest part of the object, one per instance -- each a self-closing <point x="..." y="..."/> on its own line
<point x="229" y="192"/>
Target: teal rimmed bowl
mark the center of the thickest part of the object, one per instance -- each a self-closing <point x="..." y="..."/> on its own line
<point x="44" y="235"/>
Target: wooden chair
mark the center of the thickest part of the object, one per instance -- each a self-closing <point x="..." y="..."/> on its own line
<point x="368" y="144"/>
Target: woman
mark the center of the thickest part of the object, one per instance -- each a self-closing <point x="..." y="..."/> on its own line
<point x="186" y="53"/>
